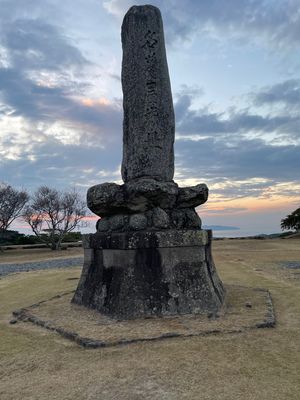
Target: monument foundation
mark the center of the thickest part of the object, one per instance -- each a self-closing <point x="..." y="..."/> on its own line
<point x="130" y="275"/>
<point x="149" y="255"/>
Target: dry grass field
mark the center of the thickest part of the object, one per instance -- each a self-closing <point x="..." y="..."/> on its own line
<point x="259" y="364"/>
<point x="20" y="255"/>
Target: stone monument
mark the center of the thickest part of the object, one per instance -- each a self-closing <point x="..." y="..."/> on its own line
<point x="149" y="256"/>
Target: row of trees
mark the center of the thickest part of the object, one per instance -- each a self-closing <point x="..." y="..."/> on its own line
<point x="50" y="213"/>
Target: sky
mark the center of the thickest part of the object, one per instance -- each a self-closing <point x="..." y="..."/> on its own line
<point x="234" y="69"/>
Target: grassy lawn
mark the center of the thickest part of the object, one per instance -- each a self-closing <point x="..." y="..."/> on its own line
<point x="259" y="364"/>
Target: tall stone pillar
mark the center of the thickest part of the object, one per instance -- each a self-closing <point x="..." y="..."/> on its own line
<point x="149" y="255"/>
<point x="149" y="126"/>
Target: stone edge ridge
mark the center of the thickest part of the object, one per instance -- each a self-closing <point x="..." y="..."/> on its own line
<point x="147" y="239"/>
<point x="24" y="315"/>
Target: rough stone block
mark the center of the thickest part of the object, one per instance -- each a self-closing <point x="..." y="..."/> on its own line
<point x="149" y="239"/>
<point x="185" y="218"/>
<point x="192" y="196"/>
<point x="137" y="222"/>
<point x="106" y="199"/>
<point x="160" y="218"/>
<point x="135" y="280"/>
<point x="144" y="194"/>
<point x="117" y="222"/>
<point x="103" y="225"/>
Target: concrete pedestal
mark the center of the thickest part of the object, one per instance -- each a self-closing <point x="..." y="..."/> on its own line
<point x="139" y="274"/>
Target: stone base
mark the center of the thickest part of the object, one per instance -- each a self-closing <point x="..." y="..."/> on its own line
<point x="245" y="309"/>
<point x="131" y="275"/>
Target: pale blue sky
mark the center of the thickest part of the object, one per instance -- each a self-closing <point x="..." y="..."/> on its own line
<point x="234" y="68"/>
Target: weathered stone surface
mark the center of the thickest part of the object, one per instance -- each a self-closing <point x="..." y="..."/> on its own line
<point x="106" y="199"/>
<point x="185" y="218"/>
<point x="153" y="219"/>
<point x="140" y="281"/>
<point x="160" y="218"/>
<point x="192" y="218"/>
<point x="137" y="222"/>
<point x="148" y="126"/>
<point x="192" y="196"/>
<point x="103" y="225"/>
<point x="117" y="222"/>
<point x="147" y="239"/>
<point x="144" y="194"/>
<point x="141" y="195"/>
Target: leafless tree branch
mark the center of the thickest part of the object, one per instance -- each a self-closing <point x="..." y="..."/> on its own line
<point x="60" y="212"/>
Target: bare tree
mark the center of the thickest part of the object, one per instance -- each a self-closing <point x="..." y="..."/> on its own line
<point x="52" y="214"/>
<point x="12" y="202"/>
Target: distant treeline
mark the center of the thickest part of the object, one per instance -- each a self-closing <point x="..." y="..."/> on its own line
<point x="261" y="236"/>
<point x="16" y="238"/>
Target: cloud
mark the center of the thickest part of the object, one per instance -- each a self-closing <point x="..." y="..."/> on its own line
<point x="55" y="132"/>
<point x="237" y="145"/>
<point x="51" y="163"/>
<point x="221" y="227"/>
<point x="190" y="91"/>
<point x="13" y="9"/>
<point x="204" y="122"/>
<point x="246" y="158"/>
<point x="227" y="210"/>
<point x="239" y="188"/>
<point x="52" y="131"/>
<point x="39" y="103"/>
<point x="286" y="93"/>
<point x="277" y="22"/>
<point x="43" y="81"/>
<point x="34" y="44"/>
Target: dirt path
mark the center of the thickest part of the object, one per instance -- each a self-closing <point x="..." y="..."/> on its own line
<point x="10" y="268"/>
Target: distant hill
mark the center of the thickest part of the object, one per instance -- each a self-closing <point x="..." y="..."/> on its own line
<point x="221" y="227"/>
<point x="284" y="235"/>
<point x="261" y="236"/>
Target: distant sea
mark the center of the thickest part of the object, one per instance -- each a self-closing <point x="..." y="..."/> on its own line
<point x="233" y="231"/>
<point x="218" y="231"/>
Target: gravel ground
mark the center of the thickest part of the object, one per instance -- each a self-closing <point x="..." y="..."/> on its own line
<point x="291" y="264"/>
<point x="6" y="269"/>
